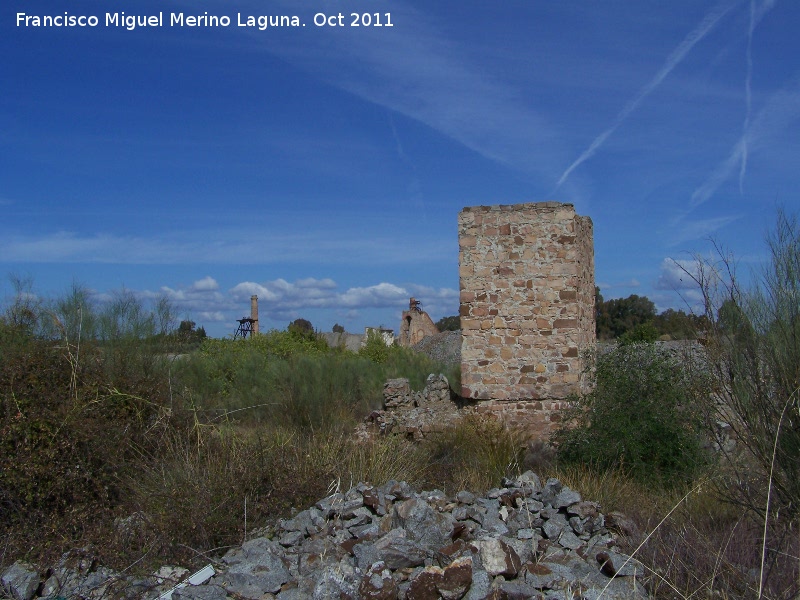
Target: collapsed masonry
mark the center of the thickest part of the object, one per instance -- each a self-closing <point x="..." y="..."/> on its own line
<point x="527" y="308"/>
<point x="415" y="324"/>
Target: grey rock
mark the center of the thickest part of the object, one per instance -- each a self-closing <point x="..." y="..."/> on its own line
<point x="294" y="593"/>
<point x="520" y="519"/>
<point x="553" y="527"/>
<point x="366" y="555"/>
<point x="522" y="540"/>
<point x="378" y="583"/>
<point x="569" y="540"/>
<point x="201" y="592"/>
<point x="525" y="549"/>
<point x="566" y="497"/>
<point x="337" y="581"/>
<point x="428" y="528"/>
<point x="397" y="551"/>
<point x="302" y="521"/>
<point x="330" y="505"/>
<point x="292" y="538"/>
<point x="525" y="534"/>
<point x="529" y="480"/>
<point x="577" y="525"/>
<point x="481" y="585"/>
<point x="550" y="491"/>
<point x="254" y="569"/>
<point x="459" y="513"/>
<point x="621" y="565"/>
<point x="360" y="516"/>
<point x="465" y="497"/>
<point x="21" y="581"/>
<point x="518" y="590"/>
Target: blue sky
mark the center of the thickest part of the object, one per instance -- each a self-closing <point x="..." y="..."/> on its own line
<point x="323" y="168"/>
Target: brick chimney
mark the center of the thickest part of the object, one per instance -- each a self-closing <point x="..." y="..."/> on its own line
<point x="254" y="313"/>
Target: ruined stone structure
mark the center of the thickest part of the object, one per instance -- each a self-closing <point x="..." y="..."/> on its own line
<point x="415" y="324"/>
<point x="527" y="306"/>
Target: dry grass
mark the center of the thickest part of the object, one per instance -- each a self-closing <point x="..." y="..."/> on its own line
<point x="705" y="547"/>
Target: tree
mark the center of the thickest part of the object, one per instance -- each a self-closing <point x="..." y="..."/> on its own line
<point x="452" y="323"/>
<point x="619" y="315"/>
<point x="189" y="332"/>
<point x="338" y="328"/>
<point x="301" y="328"/>
<point x="679" y="325"/>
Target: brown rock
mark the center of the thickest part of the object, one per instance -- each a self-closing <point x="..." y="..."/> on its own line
<point x="378" y="583"/>
<point x="425" y="586"/>
<point x="606" y="564"/>
<point x="457" y="579"/>
<point x="616" y="521"/>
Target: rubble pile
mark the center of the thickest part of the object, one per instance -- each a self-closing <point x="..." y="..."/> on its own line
<point x="522" y="540"/>
<point x="414" y="415"/>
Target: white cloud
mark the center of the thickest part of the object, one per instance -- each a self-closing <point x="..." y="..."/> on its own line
<point x="678" y="274"/>
<point x="701" y="228"/>
<point x="631" y="283"/>
<point x="207" y="284"/>
<point x="220" y="246"/>
<point x="281" y="295"/>
<point x="382" y="294"/>
<point x="212" y="317"/>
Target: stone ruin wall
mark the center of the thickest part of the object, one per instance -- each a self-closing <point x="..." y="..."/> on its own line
<point x="415" y="326"/>
<point x="527" y="308"/>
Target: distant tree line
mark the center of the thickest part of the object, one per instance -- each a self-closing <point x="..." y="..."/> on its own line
<point x="452" y="323"/>
<point x="634" y="319"/>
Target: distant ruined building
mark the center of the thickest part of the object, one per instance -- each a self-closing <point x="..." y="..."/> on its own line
<point x="415" y="324"/>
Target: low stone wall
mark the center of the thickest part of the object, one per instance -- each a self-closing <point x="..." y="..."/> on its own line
<point x="417" y="415"/>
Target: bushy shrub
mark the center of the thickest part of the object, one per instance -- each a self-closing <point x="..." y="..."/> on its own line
<point x="82" y="389"/>
<point x="644" y="414"/>
<point x="375" y="348"/>
<point x="641" y="333"/>
<point x="753" y="353"/>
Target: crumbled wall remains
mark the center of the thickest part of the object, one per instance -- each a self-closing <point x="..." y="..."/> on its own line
<point x="527" y="306"/>
<point x="415" y="325"/>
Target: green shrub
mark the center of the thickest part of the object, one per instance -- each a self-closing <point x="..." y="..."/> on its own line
<point x="644" y="414"/>
<point x="375" y="348"/>
<point x="641" y="333"/>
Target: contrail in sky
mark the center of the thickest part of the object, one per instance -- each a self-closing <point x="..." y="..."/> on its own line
<point x="748" y="94"/>
<point x="755" y="17"/>
<point x="780" y="111"/>
<point x="677" y="55"/>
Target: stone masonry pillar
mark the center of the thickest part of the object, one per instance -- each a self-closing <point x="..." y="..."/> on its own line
<point x="527" y="300"/>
